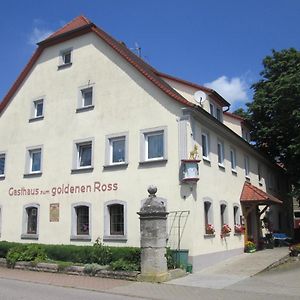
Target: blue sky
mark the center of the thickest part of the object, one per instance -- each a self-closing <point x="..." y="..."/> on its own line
<point x="220" y="44"/>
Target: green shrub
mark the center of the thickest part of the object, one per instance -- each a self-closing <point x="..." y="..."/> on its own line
<point x="123" y="265"/>
<point x="92" y="269"/>
<point x="171" y="262"/>
<point x="31" y="252"/>
<point x="98" y="253"/>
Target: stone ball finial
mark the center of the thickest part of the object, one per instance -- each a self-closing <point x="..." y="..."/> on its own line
<point x="152" y="189"/>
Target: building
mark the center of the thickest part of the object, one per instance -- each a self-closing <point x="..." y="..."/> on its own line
<point x="88" y="126"/>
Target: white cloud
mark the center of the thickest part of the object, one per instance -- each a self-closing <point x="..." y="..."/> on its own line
<point x="38" y="35"/>
<point x="233" y="90"/>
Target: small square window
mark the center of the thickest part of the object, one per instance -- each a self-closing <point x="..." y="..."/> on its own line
<point x="65" y="58"/>
<point x="2" y="164"/>
<point x="35" y="160"/>
<point x="38" y="108"/>
<point x="87" y="97"/>
<point x="154" y="145"/>
<point x="84" y="155"/>
<point x="117" y="150"/>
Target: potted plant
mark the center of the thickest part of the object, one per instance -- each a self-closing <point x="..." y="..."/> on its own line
<point x="250" y="247"/>
<point x="210" y="229"/>
<point x="225" y="230"/>
<point x="239" y="229"/>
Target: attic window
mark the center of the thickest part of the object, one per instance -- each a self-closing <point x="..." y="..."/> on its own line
<point x="65" y="58"/>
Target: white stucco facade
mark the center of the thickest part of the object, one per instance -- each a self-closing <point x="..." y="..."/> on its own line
<point x="126" y="104"/>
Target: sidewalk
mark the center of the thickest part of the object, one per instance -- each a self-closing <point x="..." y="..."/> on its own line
<point x="207" y="284"/>
<point x="233" y="270"/>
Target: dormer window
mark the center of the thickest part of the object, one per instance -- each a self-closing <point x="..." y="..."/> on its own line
<point x="246" y="135"/>
<point x="38" y="108"/>
<point x="215" y="111"/>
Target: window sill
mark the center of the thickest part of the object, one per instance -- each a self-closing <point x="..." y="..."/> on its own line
<point x="60" y="67"/>
<point x="116" y="166"/>
<point x="28" y="236"/>
<point x="115" y="238"/>
<point x="82" y="170"/>
<point x="234" y="172"/>
<point x="35" y="119"/>
<point x="247" y="178"/>
<point x="86" y="238"/>
<point x="154" y="161"/>
<point x="85" y="108"/>
<point x="31" y="175"/>
<point x="209" y="235"/>
<point x="221" y="166"/>
<point x="206" y="160"/>
<point x="2" y="177"/>
<point x="238" y="234"/>
<point x="225" y="235"/>
<point x="260" y="184"/>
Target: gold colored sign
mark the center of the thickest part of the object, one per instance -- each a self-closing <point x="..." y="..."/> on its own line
<point x="54" y="212"/>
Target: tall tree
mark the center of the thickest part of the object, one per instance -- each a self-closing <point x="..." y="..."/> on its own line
<point x="275" y="111"/>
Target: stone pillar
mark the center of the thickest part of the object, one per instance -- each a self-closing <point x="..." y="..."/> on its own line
<point x="153" y="228"/>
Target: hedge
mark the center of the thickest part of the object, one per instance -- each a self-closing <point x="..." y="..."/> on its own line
<point x="98" y="253"/>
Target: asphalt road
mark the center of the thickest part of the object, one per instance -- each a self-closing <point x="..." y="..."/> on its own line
<point x="11" y="289"/>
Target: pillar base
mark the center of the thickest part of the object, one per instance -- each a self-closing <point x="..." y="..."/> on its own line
<point x="154" y="277"/>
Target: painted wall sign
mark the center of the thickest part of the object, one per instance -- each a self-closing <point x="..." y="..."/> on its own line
<point x="96" y="187"/>
<point x="54" y="212"/>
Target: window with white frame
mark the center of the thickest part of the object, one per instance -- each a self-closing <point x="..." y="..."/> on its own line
<point x="65" y="57"/>
<point x="205" y="145"/>
<point x="116" y="149"/>
<point x="30" y="221"/>
<point x="223" y="214"/>
<point x="153" y="145"/>
<point x="81" y="221"/>
<point x="208" y="217"/>
<point x="247" y="166"/>
<point x="86" y="97"/>
<point x="115" y="220"/>
<point x="38" y="108"/>
<point x="221" y="153"/>
<point x="34" y="160"/>
<point x="2" y="164"/>
<point x="233" y="159"/>
<point x="84" y="155"/>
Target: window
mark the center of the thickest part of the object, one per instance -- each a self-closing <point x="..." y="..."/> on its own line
<point x="116" y="149"/>
<point x="87" y="97"/>
<point x="247" y="166"/>
<point x="33" y="161"/>
<point x="233" y="159"/>
<point x="259" y="173"/>
<point x="84" y="155"/>
<point x="38" y="108"/>
<point x="220" y="153"/>
<point x="2" y="164"/>
<point x="30" y="221"/>
<point x="208" y="217"/>
<point x="115" y="222"/>
<point x="82" y="224"/>
<point x="212" y="109"/>
<point x="205" y="146"/>
<point x="81" y="221"/>
<point x="236" y="215"/>
<point x="219" y="114"/>
<point x="245" y="135"/>
<point x="153" y="146"/>
<point x="65" y="57"/>
<point x="223" y="211"/>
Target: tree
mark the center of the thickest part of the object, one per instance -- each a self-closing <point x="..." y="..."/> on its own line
<point x="275" y="111"/>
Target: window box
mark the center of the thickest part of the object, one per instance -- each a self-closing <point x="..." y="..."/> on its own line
<point x="190" y="170"/>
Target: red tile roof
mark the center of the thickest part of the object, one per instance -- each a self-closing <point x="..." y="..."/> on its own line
<point x="76" y="23"/>
<point x="252" y="194"/>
